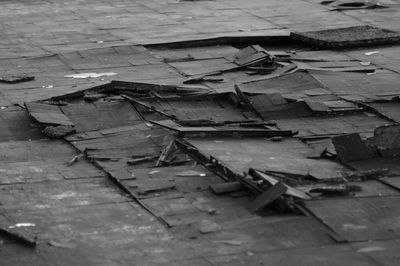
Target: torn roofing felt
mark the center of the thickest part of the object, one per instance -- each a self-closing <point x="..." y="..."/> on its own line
<point x="112" y="121"/>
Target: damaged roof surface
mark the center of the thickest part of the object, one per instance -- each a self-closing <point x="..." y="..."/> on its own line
<point x="184" y="132"/>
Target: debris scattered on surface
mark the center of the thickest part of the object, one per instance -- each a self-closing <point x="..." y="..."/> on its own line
<point x="296" y="136"/>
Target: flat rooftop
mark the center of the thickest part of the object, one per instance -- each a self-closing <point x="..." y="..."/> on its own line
<point x="199" y="132"/>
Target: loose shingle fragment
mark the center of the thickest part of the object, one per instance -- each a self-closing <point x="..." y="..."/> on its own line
<point x="351" y="148"/>
<point x="46" y="114"/>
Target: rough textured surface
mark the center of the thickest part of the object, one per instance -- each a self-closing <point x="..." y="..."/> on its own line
<point x="100" y="197"/>
<point x="348" y="37"/>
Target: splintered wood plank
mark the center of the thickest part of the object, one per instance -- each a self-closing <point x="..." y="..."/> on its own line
<point x="360" y="219"/>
